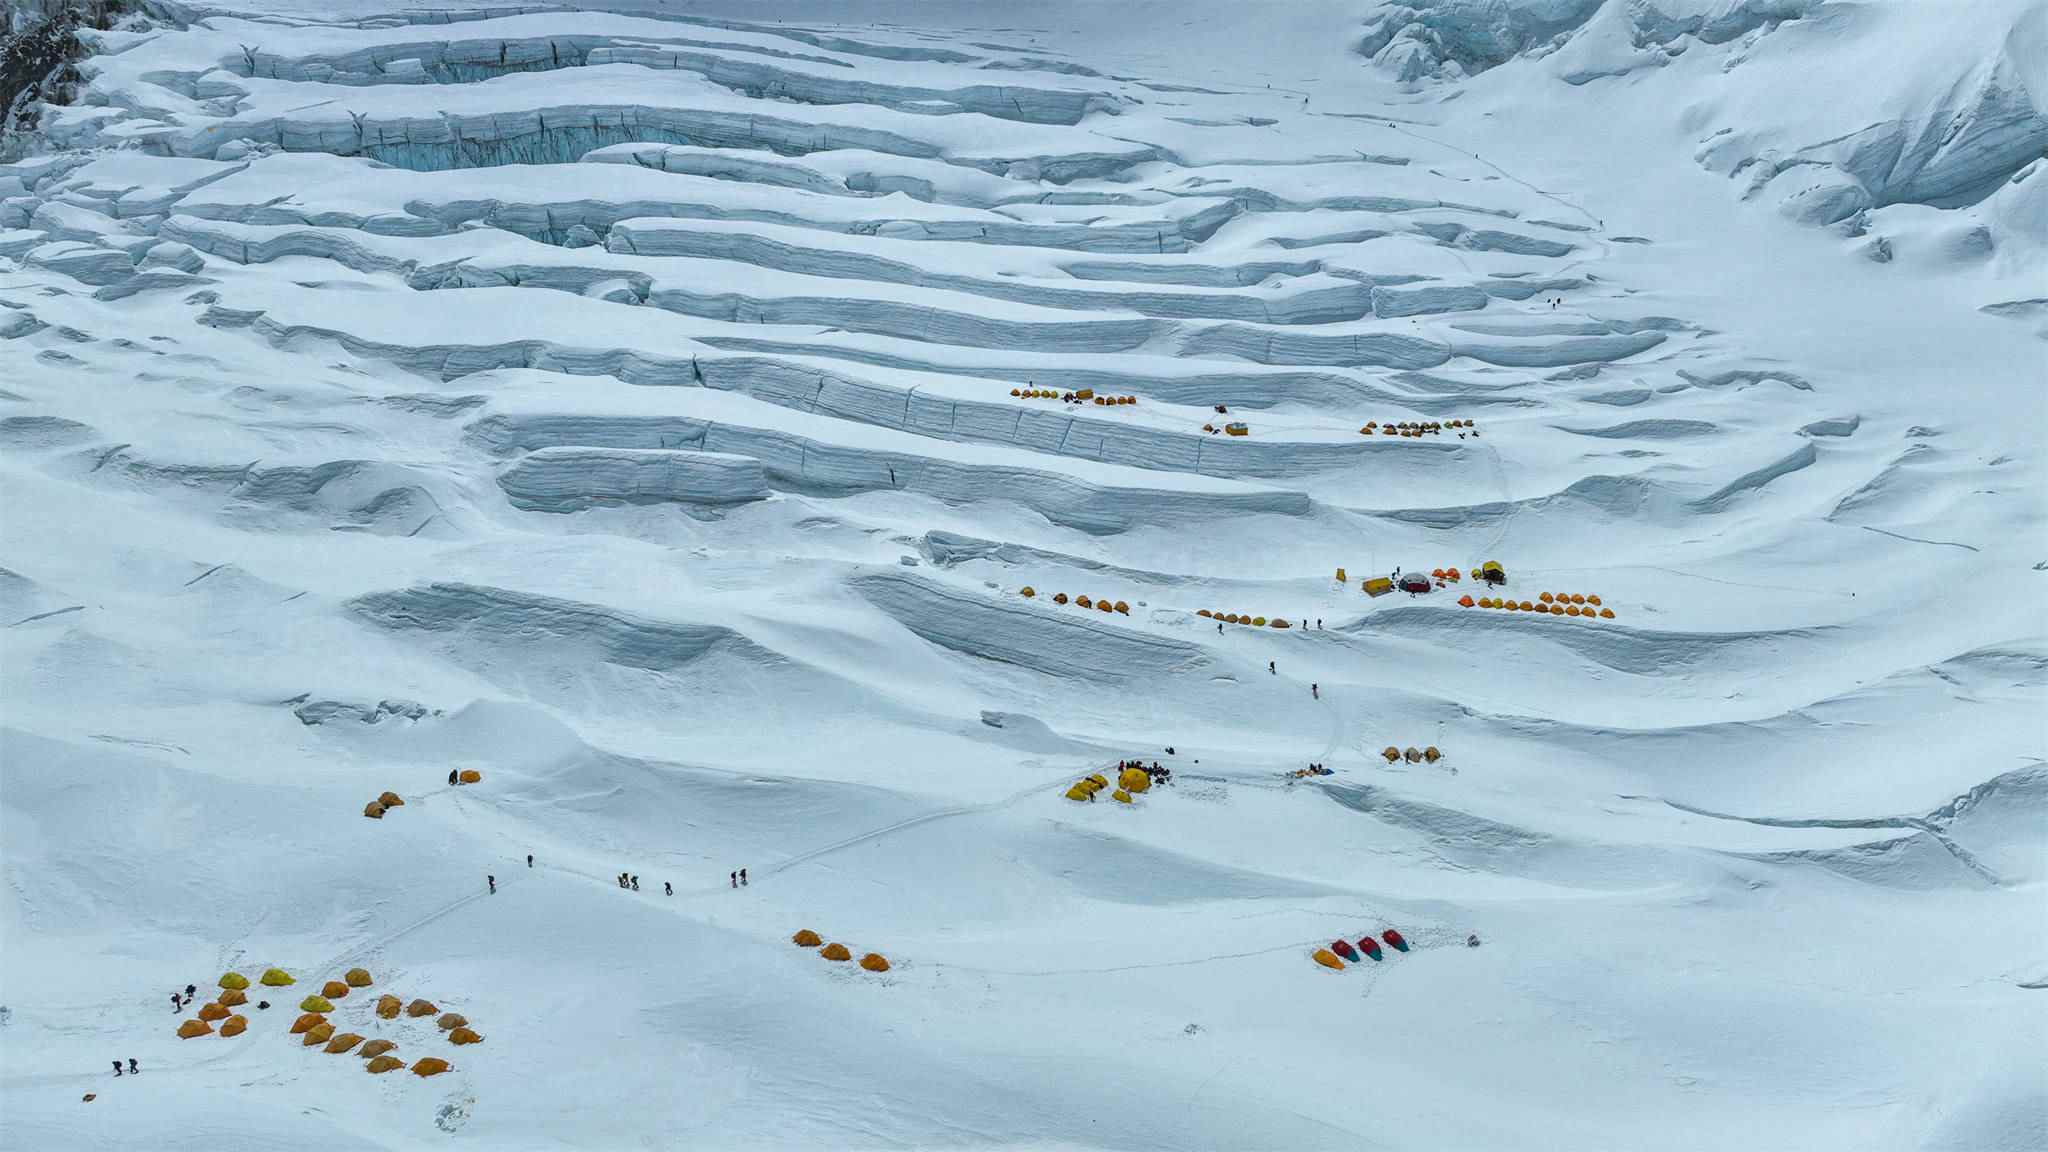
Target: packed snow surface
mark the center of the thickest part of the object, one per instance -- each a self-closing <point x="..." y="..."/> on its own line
<point x="668" y="412"/>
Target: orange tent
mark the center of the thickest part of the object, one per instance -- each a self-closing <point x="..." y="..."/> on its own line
<point x="450" y="1020"/>
<point x="307" y="1022"/>
<point x="234" y="1025"/>
<point x="318" y="1035"/>
<point x="191" y="1028"/>
<point x="836" y="952"/>
<point x="420" y="1008"/>
<point x="357" y="978"/>
<point x="377" y="1048"/>
<point x="471" y="776"/>
<point x="805" y="938"/>
<point x="381" y="1064"/>
<point x="343" y="1043"/>
<point x="212" y="1012"/>
<point x="389" y="1007"/>
<point x="334" y="990"/>
<point x="234" y="997"/>
<point x="431" y="1066"/>
<point x="1328" y="959"/>
<point x="464" y="1036"/>
<point x="874" y="962"/>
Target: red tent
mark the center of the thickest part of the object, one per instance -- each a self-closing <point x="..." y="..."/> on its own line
<point x="1369" y="946"/>
<point x="1343" y="948"/>
<point x="1394" y="939"/>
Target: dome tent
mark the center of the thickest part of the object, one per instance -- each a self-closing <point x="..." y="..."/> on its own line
<point x="307" y="1022"/>
<point x="315" y="1004"/>
<point x="1120" y="796"/>
<point x="212" y="1012"/>
<point x="836" y="952"/>
<point x="357" y="978"/>
<point x="464" y="1036"/>
<point x="319" y="1034"/>
<point x="471" y="776"/>
<point x="277" y="978"/>
<point x="805" y="938"/>
<point x="420" y="1008"/>
<point x="450" y="1020"/>
<point x="874" y="962"/>
<point x="343" y="1043"/>
<point x="1134" y="779"/>
<point x="334" y="990"/>
<point x="388" y="1007"/>
<point x="234" y="997"/>
<point x="381" y="1064"/>
<point x="377" y="1048"/>
<point x="431" y="1066"/>
<point x="191" y="1028"/>
<point x="373" y="810"/>
<point x="234" y="1025"/>
<point x="234" y="980"/>
<point x="390" y="800"/>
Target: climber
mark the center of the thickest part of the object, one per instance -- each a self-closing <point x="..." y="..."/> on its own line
<point x="1319" y="623"/>
<point x="191" y="990"/>
<point x="1219" y="629"/>
<point x="177" y="1005"/>
<point x="451" y="776"/>
<point x="1270" y="668"/>
<point x="117" y="1067"/>
<point x="733" y="878"/>
<point x="493" y="882"/>
<point x="667" y="889"/>
<point x="743" y="877"/>
<point x="529" y="859"/>
<point x="1169" y="749"/>
<point x="1472" y="941"/>
<point x="636" y="883"/>
<point x="1316" y="691"/>
<point x="132" y="1069"/>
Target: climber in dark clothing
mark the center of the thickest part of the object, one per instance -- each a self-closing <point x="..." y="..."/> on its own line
<point x="667" y="889"/>
<point x="177" y="1005"/>
<point x="117" y="1067"/>
<point x="493" y="882"/>
<point x="529" y="859"/>
<point x="191" y="990"/>
<point x="636" y="883"/>
<point x="733" y="878"/>
<point x="1270" y="668"/>
<point x="451" y="775"/>
<point x="1315" y="691"/>
<point x="132" y="1069"/>
<point x="743" y="877"/>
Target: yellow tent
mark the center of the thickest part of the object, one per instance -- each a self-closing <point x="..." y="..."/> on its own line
<point x="1027" y="591"/>
<point x="357" y="978"/>
<point x="1391" y="753"/>
<point x="234" y="980"/>
<point x="389" y="1007"/>
<point x="836" y="952"/>
<point x="274" y="978"/>
<point x="382" y="1064"/>
<point x="377" y="1048"/>
<point x="874" y="962"/>
<point x="315" y="1004"/>
<point x="390" y="800"/>
<point x="1080" y="792"/>
<point x="420" y="1008"/>
<point x="234" y="1025"/>
<point x="431" y="1066"/>
<point x="1328" y="959"/>
<point x="191" y="1028"/>
<point x="1100" y="780"/>
<point x="334" y="990"/>
<point x="464" y="1036"/>
<point x="343" y="1043"/>
<point x="450" y="1020"/>
<point x="1134" y="780"/>
<point x="805" y="938"/>
<point x="1120" y="796"/>
<point x="471" y="776"/>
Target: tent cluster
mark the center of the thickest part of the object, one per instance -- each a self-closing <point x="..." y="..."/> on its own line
<point x="313" y="1027"/>
<point x="1411" y="754"/>
<point x="1077" y="396"/>
<point x="375" y="809"/>
<point x="1103" y="604"/>
<point x="805" y="938"/>
<point x="1243" y="618"/>
<point x="1559" y="604"/>
<point x="1132" y="778"/>
<point x="1087" y="786"/>
<point x="1342" y="951"/>
<point x="234" y="992"/>
<point x="1412" y="429"/>
<point x="1234" y="428"/>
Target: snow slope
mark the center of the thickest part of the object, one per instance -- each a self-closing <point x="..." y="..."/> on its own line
<point x="620" y="403"/>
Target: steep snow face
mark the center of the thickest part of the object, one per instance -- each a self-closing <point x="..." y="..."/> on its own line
<point x="810" y="444"/>
<point x="1830" y="112"/>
